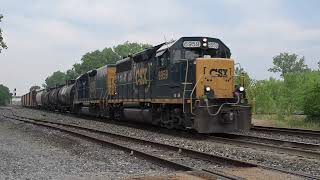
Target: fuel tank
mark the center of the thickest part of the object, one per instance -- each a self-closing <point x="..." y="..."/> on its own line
<point x="138" y="115"/>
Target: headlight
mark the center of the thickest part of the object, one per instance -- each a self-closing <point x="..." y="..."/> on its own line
<point x="241" y="89"/>
<point x="204" y="39"/>
<point x="208" y="89"/>
<point x="204" y="44"/>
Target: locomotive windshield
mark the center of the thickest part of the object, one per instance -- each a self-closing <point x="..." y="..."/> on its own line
<point x="196" y="53"/>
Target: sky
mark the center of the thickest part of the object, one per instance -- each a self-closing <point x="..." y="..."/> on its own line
<point x="44" y="36"/>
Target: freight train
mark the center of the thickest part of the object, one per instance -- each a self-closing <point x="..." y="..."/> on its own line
<point x="184" y="84"/>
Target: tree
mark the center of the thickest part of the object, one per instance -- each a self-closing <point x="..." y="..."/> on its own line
<point x="319" y="65"/>
<point x="5" y="95"/>
<point x="94" y="60"/>
<point x="57" y="78"/>
<point x="33" y="88"/>
<point x="71" y="74"/>
<point x="285" y="63"/>
<point x="97" y="58"/>
<point x="2" y="43"/>
<point x="128" y="48"/>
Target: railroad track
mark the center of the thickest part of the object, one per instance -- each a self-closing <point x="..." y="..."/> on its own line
<point x="179" y="158"/>
<point x="148" y="150"/>
<point x="288" y="131"/>
<point x="305" y="150"/>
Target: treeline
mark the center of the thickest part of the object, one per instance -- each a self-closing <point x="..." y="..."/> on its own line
<point x="2" y="43"/>
<point x="5" y="95"/>
<point x="93" y="60"/>
<point x="297" y="92"/>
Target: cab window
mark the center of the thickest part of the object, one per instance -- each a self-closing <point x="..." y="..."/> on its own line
<point x="163" y="60"/>
<point x="189" y="54"/>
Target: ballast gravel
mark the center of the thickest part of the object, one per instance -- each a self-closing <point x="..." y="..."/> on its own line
<point x="32" y="152"/>
<point x="260" y="156"/>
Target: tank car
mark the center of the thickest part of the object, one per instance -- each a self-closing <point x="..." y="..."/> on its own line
<point x="53" y="98"/>
<point x="66" y="96"/>
<point x="39" y="98"/>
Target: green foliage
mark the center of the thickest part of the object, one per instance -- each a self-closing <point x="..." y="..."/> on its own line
<point x="265" y="94"/>
<point x="128" y="48"/>
<point x="2" y="43"/>
<point x="311" y="104"/>
<point x="94" y="60"/>
<point x="287" y="63"/>
<point x="297" y="93"/>
<point x="71" y="74"/>
<point x="5" y="95"/>
<point x="57" y="78"/>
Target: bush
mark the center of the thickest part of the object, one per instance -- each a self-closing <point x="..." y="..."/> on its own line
<point x="295" y="94"/>
<point x="5" y="95"/>
<point x="311" y="105"/>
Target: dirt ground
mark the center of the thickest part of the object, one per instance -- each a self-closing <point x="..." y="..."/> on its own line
<point x="263" y="122"/>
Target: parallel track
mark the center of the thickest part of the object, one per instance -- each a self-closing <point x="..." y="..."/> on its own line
<point x="305" y="150"/>
<point x="196" y="155"/>
<point x="288" y="131"/>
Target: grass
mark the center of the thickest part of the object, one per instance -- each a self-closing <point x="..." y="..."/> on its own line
<point x="292" y="121"/>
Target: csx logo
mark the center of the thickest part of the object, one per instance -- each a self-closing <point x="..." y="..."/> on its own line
<point x="217" y="72"/>
<point x="141" y="76"/>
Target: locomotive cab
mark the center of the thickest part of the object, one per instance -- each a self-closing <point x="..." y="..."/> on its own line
<point x="215" y="104"/>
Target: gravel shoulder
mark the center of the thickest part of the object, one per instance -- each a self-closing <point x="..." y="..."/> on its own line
<point x="32" y="152"/>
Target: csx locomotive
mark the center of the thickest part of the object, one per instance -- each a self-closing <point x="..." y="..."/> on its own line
<point x="185" y="84"/>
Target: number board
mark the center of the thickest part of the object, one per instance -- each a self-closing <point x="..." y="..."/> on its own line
<point x="191" y="44"/>
<point x="213" y="45"/>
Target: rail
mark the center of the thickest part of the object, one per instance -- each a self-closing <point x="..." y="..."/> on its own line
<point x="78" y="130"/>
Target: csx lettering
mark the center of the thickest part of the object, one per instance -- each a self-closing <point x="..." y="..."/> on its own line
<point x="218" y="72"/>
<point x="141" y="76"/>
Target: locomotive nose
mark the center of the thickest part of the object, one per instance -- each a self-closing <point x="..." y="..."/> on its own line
<point x="215" y="76"/>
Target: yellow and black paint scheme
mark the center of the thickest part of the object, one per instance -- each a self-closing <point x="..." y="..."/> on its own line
<point x="93" y="89"/>
<point x="217" y="74"/>
<point x="186" y="84"/>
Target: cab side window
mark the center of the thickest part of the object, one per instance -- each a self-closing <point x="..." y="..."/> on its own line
<point x="163" y="60"/>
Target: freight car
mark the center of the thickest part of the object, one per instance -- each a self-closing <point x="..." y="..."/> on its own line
<point x="186" y="84"/>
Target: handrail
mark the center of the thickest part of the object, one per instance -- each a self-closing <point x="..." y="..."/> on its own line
<point x="185" y="84"/>
<point x="192" y="94"/>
